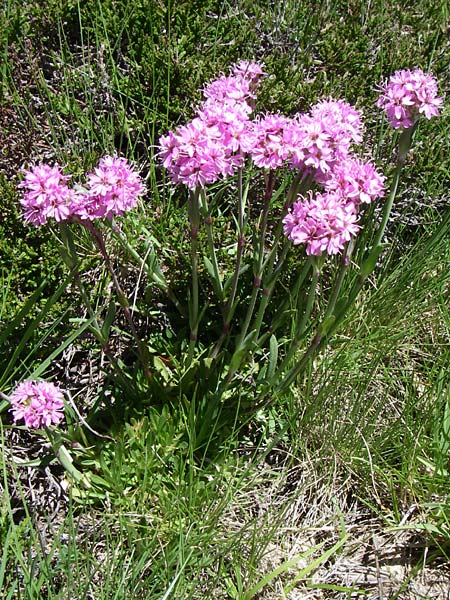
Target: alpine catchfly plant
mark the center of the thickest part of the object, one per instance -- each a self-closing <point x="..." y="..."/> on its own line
<point x="38" y="403"/>
<point x="407" y="95"/>
<point x="39" y="406"/>
<point x="111" y="190"/>
<point x="276" y="217"/>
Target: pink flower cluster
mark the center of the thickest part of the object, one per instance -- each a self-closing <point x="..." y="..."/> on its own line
<point x="408" y="94"/>
<point x="317" y="144"/>
<point x="215" y="142"/>
<point x="38" y="403"/>
<point x="47" y="195"/>
<point x="323" y="222"/>
<point x="269" y="138"/>
<point x="212" y="145"/>
<point x="311" y="143"/>
<point x="356" y="182"/>
<point x="112" y="189"/>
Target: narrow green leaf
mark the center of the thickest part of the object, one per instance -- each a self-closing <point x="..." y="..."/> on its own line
<point x="229" y="281"/>
<point x="273" y="356"/>
<point x="289" y="564"/>
<point x="8" y="371"/>
<point x="369" y="264"/>
<point x="237" y="358"/>
<point x="242" y="351"/>
<point x="66" y="461"/>
<point x="23" y="312"/>
<point x="44" y="365"/>
<point x="216" y="281"/>
<point x="209" y="267"/>
<point x="340" y="305"/>
<point x="325" y="326"/>
<point x="109" y="318"/>
<point x="161" y="367"/>
<point x="306" y="571"/>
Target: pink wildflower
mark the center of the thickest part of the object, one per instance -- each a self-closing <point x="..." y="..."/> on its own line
<point x="408" y="94"/>
<point x="193" y="154"/>
<point x="231" y="124"/>
<point x="213" y="144"/>
<point x="210" y="146"/>
<point x="113" y="189"/>
<point x="250" y="70"/>
<point x="356" y="181"/>
<point x="324" y="136"/>
<point x="38" y="403"/>
<point x="269" y="149"/>
<point x="46" y="195"/>
<point x="341" y="121"/>
<point x="237" y="87"/>
<point x="322" y="222"/>
<point x="229" y="88"/>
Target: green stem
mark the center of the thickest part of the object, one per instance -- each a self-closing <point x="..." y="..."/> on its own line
<point x="217" y="281"/>
<point x="272" y="277"/>
<point x="297" y="186"/>
<point x="194" y="220"/>
<point x="300" y="330"/>
<point x="404" y="144"/>
<point x="345" y="263"/>
<point x="65" y="459"/>
<point x="301" y="326"/>
<point x="71" y="259"/>
<point x="240" y="243"/>
<point x="388" y="205"/>
<point x="259" y="268"/>
<point x="123" y="300"/>
<point x="291" y="300"/>
<point x="298" y="368"/>
<point x="152" y="270"/>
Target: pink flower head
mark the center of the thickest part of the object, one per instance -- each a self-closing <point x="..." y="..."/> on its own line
<point x="250" y="70"/>
<point x="355" y="181"/>
<point x="408" y="94"/>
<point x="270" y="148"/>
<point x="194" y="154"/>
<point x="113" y="189"/>
<point x="235" y="88"/>
<point x="322" y="222"/>
<point x="232" y="127"/>
<point x="46" y="195"/>
<point x="324" y="136"/>
<point x="210" y="146"/>
<point x="310" y="143"/>
<point x="341" y="121"/>
<point x="38" y="403"/>
<point x="213" y="144"/>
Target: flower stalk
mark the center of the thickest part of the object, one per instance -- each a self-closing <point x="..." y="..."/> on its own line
<point x="121" y="296"/>
<point x="194" y="221"/>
